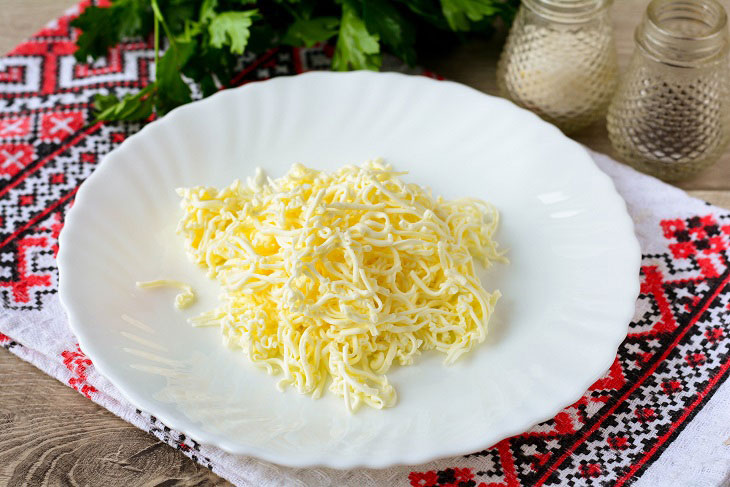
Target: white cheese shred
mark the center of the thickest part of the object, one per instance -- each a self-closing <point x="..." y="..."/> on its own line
<point x="333" y="277"/>
<point x="182" y="300"/>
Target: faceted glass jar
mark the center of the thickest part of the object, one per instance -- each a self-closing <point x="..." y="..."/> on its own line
<point x="670" y="116"/>
<point x="560" y="61"/>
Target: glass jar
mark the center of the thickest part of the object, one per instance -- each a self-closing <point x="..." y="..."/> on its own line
<point x="560" y="61"/>
<point x="670" y="114"/>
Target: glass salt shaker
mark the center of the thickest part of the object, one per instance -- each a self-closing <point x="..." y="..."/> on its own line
<point x="670" y="116"/>
<point x="560" y="61"/>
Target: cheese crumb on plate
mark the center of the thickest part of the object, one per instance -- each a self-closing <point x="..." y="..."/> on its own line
<point x="184" y="299"/>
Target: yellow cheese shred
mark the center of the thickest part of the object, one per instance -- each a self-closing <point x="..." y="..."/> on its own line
<point x="182" y="300"/>
<point x="333" y="277"/>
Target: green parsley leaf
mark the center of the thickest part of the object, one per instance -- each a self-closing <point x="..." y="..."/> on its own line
<point x="190" y="31"/>
<point x="172" y="90"/>
<point x="207" y="61"/>
<point x="104" y="102"/>
<point x="231" y="28"/>
<point x="311" y="31"/>
<point x="207" y="85"/>
<point x="459" y="13"/>
<point x="304" y="9"/>
<point x="207" y="10"/>
<point x="356" y="47"/>
<point x="394" y="30"/>
<point x="427" y="11"/>
<point x="263" y="37"/>
<point x="103" y="27"/>
<point x="177" y="12"/>
<point x="131" y="107"/>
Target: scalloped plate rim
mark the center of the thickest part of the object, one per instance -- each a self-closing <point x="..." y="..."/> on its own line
<point x="144" y="404"/>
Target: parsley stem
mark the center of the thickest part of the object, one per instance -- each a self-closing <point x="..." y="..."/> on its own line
<point x="157" y="42"/>
<point x="158" y="16"/>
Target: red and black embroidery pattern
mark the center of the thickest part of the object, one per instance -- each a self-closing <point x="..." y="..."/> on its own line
<point x="7" y="343"/>
<point x="675" y="356"/>
<point x="175" y="439"/>
<point x="76" y="362"/>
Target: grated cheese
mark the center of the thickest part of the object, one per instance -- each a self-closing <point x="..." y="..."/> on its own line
<point x="182" y="300"/>
<point x="336" y="276"/>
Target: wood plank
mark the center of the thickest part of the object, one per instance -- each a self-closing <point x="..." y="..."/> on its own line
<point x="52" y="435"/>
<point x="719" y="198"/>
<point x="22" y="18"/>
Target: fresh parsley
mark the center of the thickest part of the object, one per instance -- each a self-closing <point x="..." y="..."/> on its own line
<point x="204" y="38"/>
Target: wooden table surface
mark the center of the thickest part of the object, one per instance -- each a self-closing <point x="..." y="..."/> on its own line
<point x="52" y="435"/>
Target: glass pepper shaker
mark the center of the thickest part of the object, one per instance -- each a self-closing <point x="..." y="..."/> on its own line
<point x="560" y="61"/>
<point x="670" y="116"/>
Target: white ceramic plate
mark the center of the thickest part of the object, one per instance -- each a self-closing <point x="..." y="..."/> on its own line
<point x="569" y="290"/>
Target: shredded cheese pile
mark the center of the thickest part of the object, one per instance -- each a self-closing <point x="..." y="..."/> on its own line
<point x="339" y="275"/>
